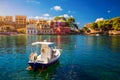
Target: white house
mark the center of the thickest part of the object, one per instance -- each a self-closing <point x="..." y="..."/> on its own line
<point x="31" y="29"/>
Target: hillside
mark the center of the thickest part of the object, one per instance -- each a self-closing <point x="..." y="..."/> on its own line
<point x="110" y="26"/>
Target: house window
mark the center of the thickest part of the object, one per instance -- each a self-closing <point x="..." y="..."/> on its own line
<point x="34" y="31"/>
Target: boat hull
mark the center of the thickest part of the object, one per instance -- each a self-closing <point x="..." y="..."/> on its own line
<point x="36" y="65"/>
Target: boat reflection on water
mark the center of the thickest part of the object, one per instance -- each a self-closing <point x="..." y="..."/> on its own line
<point x="45" y="74"/>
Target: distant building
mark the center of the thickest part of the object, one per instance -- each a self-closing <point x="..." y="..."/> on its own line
<point x="62" y="30"/>
<point x="20" y="21"/>
<point x="31" y="21"/>
<point x="59" y="27"/>
<point x="7" y="24"/>
<point x="31" y="29"/>
<point x="45" y="29"/>
<point x="58" y="23"/>
<point x="41" y="22"/>
<point x="51" y="23"/>
<point x="1" y="18"/>
<point x="1" y="22"/>
<point x="8" y="19"/>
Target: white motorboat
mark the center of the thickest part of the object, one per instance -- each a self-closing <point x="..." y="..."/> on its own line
<point x="48" y="55"/>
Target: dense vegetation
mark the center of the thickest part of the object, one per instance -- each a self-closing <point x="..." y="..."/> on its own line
<point x="112" y="24"/>
<point x="70" y="21"/>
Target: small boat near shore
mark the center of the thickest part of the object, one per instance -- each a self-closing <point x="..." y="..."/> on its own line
<point x="97" y="34"/>
<point x="48" y="56"/>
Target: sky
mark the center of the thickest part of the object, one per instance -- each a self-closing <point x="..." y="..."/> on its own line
<point x="84" y="11"/>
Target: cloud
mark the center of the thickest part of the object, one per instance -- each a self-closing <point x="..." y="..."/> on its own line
<point x="57" y="8"/>
<point x="109" y="11"/>
<point x="33" y="1"/>
<point x="99" y="19"/>
<point x="36" y="17"/>
<point x="31" y="17"/>
<point x="46" y="15"/>
<point x="66" y="15"/>
<point x="48" y="18"/>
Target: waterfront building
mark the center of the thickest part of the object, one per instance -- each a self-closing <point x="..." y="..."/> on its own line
<point x="7" y="24"/>
<point x="31" y="21"/>
<point x="62" y="22"/>
<point x="45" y="29"/>
<point x="57" y="23"/>
<point x="60" y="27"/>
<point x="33" y="26"/>
<point x="20" y="21"/>
<point x="31" y="29"/>
<point x="8" y="20"/>
<point x="62" y="30"/>
<point x="1" y="21"/>
<point x="7" y="28"/>
<point x="51" y="23"/>
<point x="1" y="18"/>
<point x="41" y="22"/>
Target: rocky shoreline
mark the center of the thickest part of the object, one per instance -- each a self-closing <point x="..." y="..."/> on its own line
<point x="110" y="32"/>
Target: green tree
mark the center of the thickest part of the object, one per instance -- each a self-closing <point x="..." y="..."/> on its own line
<point x="76" y="26"/>
<point x="116" y="27"/>
<point x="70" y="20"/>
<point x="116" y="23"/>
<point x="63" y="18"/>
<point x="56" y="18"/>
<point x="94" y="25"/>
<point x="60" y="18"/>
<point x="108" y="24"/>
<point x="101" y="25"/>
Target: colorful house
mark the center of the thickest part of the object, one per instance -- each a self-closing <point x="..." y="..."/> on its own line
<point x="31" y="29"/>
<point x="45" y="29"/>
<point x="62" y="30"/>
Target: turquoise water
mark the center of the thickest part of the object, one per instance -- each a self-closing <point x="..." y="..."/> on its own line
<point x="82" y="58"/>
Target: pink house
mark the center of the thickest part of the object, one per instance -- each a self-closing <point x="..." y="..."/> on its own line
<point x="59" y="23"/>
<point x="59" y="27"/>
<point x="62" y="30"/>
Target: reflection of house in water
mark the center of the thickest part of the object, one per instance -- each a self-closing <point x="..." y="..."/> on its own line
<point x="14" y="44"/>
<point x="58" y="40"/>
<point x="6" y="44"/>
<point x="32" y="38"/>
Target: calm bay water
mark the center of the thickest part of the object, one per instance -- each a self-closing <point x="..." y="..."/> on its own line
<point x="82" y="58"/>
